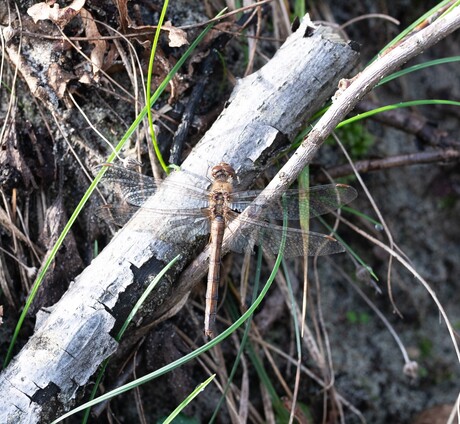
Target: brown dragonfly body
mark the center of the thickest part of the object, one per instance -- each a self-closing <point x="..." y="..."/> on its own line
<point x="220" y="212"/>
<point x="213" y="209"/>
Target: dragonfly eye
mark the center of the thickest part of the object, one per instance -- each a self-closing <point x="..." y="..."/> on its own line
<point x="223" y="170"/>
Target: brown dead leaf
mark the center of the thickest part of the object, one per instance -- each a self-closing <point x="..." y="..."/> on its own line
<point x="100" y="46"/>
<point x="111" y="56"/>
<point x="85" y="79"/>
<point x="61" y="17"/>
<point x="58" y="79"/>
<point x="438" y="414"/>
<point x="177" y="37"/>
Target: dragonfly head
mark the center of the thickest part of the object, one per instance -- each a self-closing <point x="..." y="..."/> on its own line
<point x="223" y="172"/>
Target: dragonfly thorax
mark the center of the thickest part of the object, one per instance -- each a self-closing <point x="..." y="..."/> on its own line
<point x="219" y="200"/>
<point x="222" y="187"/>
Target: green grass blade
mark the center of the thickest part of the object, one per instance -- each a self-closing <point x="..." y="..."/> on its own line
<point x="349" y="249"/>
<point x="188" y="399"/>
<point x="397" y="106"/>
<point x="391" y="77"/>
<point x="282" y="413"/>
<point x="418" y="67"/>
<point x="149" y="86"/>
<point x="43" y="271"/>
<point x="144" y="296"/>
<point x="412" y="26"/>
<point x="364" y="216"/>
<point x="293" y="310"/>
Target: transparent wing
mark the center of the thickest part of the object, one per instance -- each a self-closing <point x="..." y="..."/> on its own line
<point x="298" y="242"/>
<point x="184" y="230"/>
<point x="117" y="215"/>
<point x="186" y="224"/>
<point x="136" y="188"/>
<point x="126" y="183"/>
<point x="183" y="227"/>
<point x="120" y="214"/>
<point x="319" y="199"/>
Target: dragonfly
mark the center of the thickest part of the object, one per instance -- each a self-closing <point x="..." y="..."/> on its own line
<point x="215" y="208"/>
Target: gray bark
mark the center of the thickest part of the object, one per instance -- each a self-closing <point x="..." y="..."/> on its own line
<point x="264" y="113"/>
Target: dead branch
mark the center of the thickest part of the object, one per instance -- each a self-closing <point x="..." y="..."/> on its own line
<point x="411" y="123"/>
<point x="368" y="165"/>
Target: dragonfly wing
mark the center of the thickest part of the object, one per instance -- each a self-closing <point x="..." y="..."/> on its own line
<point x="326" y="198"/>
<point x="132" y="186"/>
<point x="185" y="225"/>
<point x="116" y="215"/>
<point x="136" y="188"/>
<point x="184" y="230"/>
<point x="298" y="242"/>
<point x="318" y="200"/>
<point x="121" y="213"/>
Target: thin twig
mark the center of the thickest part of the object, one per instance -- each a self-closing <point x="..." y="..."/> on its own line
<point x="411" y="123"/>
<point x="368" y="165"/>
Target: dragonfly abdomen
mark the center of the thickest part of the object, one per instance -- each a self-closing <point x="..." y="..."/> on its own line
<point x="212" y="290"/>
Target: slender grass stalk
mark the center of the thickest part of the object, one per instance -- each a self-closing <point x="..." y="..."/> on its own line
<point x="397" y="106"/>
<point x="298" y="341"/>
<point x="362" y="215"/>
<point x="298" y="140"/>
<point x="422" y="18"/>
<point x="349" y="249"/>
<point x="149" y="86"/>
<point x="418" y="67"/>
<point x="391" y="77"/>
<point x="453" y="6"/>
<point x="304" y="212"/>
<point x="299" y="8"/>
<point x="282" y="414"/>
<point x="188" y="399"/>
